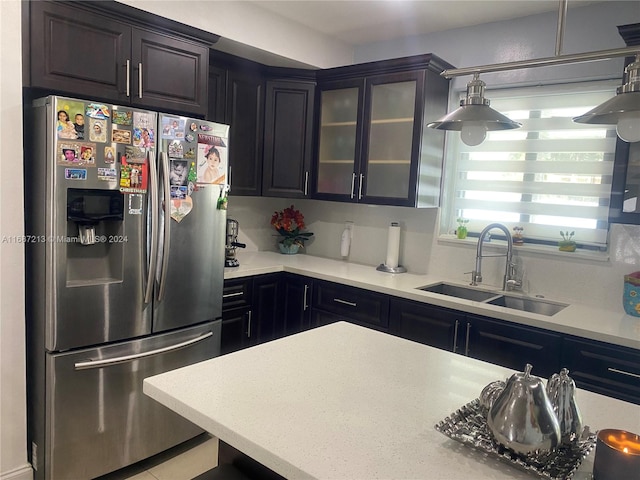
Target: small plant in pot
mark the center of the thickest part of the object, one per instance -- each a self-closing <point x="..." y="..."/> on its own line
<point x="567" y="244"/>
<point x="461" y="231"/>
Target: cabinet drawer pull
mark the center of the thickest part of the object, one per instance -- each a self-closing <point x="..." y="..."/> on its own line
<point x="455" y="336"/>
<point x="466" y="347"/>
<point x="139" y="80"/>
<point x="622" y="372"/>
<point x="128" y="78"/>
<point x="305" y="305"/>
<point x="229" y="295"/>
<point x="353" y="183"/>
<point x="344" y="302"/>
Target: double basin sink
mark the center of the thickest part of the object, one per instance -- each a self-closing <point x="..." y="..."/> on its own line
<point x="525" y="304"/>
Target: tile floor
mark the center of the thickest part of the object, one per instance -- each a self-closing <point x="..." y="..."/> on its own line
<point x="183" y="462"/>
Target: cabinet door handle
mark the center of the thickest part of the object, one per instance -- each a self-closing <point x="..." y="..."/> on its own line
<point x="229" y="295"/>
<point x="128" y="78"/>
<point x="455" y="336"/>
<point x="622" y="372"/>
<point x="466" y="347"/>
<point x="344" y="302"/>
<point x="140" y="80"/>
<point x="353" y="183"/>
<point x="229" y="182"/>
<point x="305" y="305"/>
<point x="249" y="324"/>
<point x="360" y="187"/>
<point x="306" y="183"/>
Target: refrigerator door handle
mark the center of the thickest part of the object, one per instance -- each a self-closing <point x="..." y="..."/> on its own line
<point x="107" y="362"/>
<point x="153" y="207"/>
<point x="164" y="163"/>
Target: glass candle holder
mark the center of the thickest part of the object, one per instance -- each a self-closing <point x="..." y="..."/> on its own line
<point x="617" y="455"/>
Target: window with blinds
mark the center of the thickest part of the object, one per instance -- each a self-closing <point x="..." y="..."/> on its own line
<point x="551" y="175"/>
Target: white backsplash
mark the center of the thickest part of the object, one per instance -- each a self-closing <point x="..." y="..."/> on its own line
<point x="597" y="283"/>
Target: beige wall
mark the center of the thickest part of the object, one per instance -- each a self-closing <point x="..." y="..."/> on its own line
<point x="13" y="453"/>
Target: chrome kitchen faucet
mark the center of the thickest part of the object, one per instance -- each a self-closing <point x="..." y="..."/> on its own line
<point x="509" y="282"/>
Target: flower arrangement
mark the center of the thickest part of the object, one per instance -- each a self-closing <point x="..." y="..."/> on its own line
<point x="289" y="223"/>
<point x="567" y="243"/>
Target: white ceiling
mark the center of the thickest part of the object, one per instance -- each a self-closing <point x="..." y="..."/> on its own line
<point x="358" y="22"/>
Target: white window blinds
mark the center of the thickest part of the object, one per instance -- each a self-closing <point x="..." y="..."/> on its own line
<point x="550" y="175"/>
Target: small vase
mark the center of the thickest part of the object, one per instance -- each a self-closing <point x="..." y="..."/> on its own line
<point x="461" y="232"/>
<point x="289" y="250"/>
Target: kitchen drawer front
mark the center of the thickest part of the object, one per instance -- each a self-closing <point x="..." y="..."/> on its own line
<point x="236" y="293"/>
<point x="607" y="369"/>
<point x="511" y="345"/>
<point x="426" y="324"/>
<point x="362" y="306"/>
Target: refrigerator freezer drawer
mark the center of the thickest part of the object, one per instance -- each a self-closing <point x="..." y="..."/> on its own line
<point x="97" y="417"/>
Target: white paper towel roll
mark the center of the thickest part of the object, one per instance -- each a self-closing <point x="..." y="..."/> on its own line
<point x="393" y="245"/>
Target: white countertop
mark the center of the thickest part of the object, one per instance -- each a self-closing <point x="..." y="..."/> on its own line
<point x="582" y="321"/>
<point x="346" y="402"/>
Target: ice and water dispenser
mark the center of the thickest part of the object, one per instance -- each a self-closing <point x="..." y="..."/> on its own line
<point x="87" y="208"/>
<point x="93" y="218"/>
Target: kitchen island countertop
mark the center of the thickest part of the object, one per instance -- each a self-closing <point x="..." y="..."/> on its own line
<point x="347" y="402"/>
<point x="583" y="321"/>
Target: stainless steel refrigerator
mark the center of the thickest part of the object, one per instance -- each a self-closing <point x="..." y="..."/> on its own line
<point x="125" y="262"/>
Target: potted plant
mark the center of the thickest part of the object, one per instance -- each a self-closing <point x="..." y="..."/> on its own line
<point x="567" y="244"/>
<point x="518" y="235"/>
<point x="289" y="224"/>
<point x="461" y="231"/>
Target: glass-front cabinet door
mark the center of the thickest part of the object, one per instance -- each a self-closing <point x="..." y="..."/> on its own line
<point x="391" y="137"/>
<point x="339" y="141"/>
<point x="369" y="139"/>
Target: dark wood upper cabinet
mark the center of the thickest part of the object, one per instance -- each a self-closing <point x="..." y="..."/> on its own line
<point x="245" y="113"/>
<point x="624" y="206"/>
<point x="373" y="145"/>
<point x="103" y="51"/>
<point x="288" y="138"/>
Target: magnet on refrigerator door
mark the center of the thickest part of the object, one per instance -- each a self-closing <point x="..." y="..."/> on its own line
<point x="121" y="117"/>
<point x="75" y="173"/>
<point x="97" y="130"/>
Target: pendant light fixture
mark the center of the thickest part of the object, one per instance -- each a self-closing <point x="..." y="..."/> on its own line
<point x="474" y="118"/>
<point x="623" y="109"/>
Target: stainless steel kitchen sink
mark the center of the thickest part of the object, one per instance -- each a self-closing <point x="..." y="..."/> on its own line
<point x="459" y="292"/>
<point x="525" y="304"/>
<point x="541" y="307"/>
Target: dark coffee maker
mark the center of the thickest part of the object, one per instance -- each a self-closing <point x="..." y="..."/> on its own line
<point x="230" y="259"/>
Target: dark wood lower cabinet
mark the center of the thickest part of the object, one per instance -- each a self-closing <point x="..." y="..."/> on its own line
<point x="512" y="346"/>
<point x="265" y="307"/>
<point x="353" y="304"/>
<point x="296" y="303"/>
<point x="422" y="323"/>
<point x="494" y="341"/>
<point x="603" y="368"/>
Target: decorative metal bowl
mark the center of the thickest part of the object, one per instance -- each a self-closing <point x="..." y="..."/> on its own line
<point x="468" y="425"/>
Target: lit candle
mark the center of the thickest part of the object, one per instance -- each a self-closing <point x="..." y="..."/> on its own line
<point x="617" y="456"/>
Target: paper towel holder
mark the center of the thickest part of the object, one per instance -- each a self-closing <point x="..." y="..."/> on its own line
<point x="384" y="268"/>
